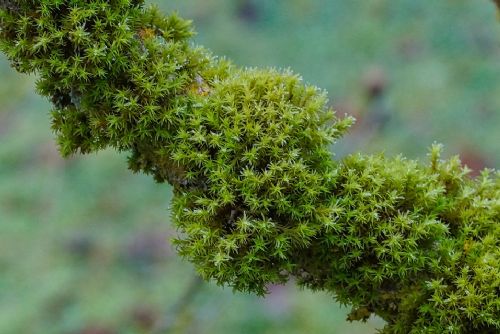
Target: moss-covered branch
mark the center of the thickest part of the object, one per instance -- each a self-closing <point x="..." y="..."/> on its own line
<point x="258" y="198"/>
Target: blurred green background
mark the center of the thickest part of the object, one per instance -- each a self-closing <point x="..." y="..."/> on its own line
<point x="84" y="243"/>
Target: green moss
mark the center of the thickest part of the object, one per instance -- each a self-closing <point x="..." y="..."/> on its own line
<point x="258" y="198"/>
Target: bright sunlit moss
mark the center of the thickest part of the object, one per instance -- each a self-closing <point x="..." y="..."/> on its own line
<point x="258" y="198"/>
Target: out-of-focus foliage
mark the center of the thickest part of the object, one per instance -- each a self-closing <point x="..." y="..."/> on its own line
<point x="252" y="13"/>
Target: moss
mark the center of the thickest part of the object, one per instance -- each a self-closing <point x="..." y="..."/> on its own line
<point x="258" y="198"/>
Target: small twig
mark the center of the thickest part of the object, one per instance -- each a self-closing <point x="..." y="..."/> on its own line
<point x="167" y="324"/>
<point x="497" y="2"/>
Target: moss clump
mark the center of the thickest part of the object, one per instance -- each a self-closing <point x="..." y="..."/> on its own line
<point x="417" y="245"/>
<point x="257" y="196"/>
<point x="258" y="176"/>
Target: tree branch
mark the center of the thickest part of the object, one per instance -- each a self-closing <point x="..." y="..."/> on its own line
<point x="257" y="195"/>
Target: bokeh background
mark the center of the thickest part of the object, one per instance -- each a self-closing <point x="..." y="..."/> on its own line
<point x="84" y="243"/>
